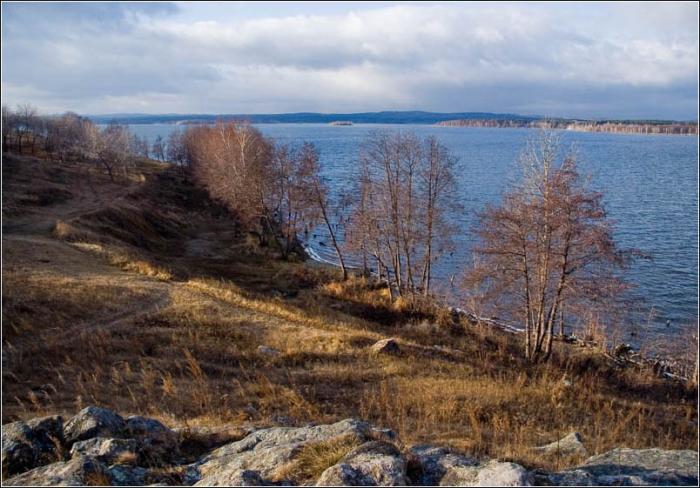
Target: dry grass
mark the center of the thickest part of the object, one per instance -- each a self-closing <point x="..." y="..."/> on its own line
<point x="314" y="458"/>
<point x="97" y="478"/>
<point x="194" y="361"/>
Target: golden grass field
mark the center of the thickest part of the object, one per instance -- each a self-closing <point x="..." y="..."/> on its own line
<point x="145" y="297"/>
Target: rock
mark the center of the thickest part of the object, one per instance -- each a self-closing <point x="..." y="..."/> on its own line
<point x="124" y="475"/>
<point x="386" y="346"/>
<point x="377" y="461"/>
<point x="343" y="475"/>
<point x="92" y="422"/>
<point x="27" y="445"/>
<point x="642" y="467"/>
<point x="240" y="477"/>
<point x="109" y="451"/>
<point x="268" y="351"/>
<point x="79" y="471"/>
<point x="493" y="473"/>
<point x="622" y="350"/>
<point x="157" y="444"/>
<point x="137" y="426"/>
<point x="571" y="445"/>
<point x="266" y="450"/>
<point x="431" y="463"/>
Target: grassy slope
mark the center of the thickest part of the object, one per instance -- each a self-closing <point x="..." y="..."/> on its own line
<point x="145" y="297"/>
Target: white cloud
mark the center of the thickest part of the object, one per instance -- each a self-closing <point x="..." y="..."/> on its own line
<point x="401" y="57"/>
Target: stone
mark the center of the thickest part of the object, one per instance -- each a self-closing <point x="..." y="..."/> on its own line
<point x="268" y="351"/>
<point x="109" y="451"/>
<point x="386" y="346"/>
<point x="266" y="450"/>
<point x="93" y="422"/>
<point x="640" y="467"/>
<point x="431" y="463"/>
<point x="238" y="477"/>
<point x="377" y="461"/>
<point x="27" y="445"/>
<point x="79" y="471"/>
<point x="124" y="475"/>
<point x="343" y="475"/>
<point x="157" y="444"/>
<point x="570" y="445"/>
<point x="492" y="473"/>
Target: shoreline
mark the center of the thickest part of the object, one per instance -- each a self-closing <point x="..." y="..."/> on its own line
<point x="665" y="367"/>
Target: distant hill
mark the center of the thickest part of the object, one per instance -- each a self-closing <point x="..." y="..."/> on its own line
<point x="410" y="117"/>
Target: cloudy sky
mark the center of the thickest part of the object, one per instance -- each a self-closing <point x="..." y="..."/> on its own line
<point x="584" y="60"/>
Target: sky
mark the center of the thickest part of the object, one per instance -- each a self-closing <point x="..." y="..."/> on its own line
<point x="593" y="60"/>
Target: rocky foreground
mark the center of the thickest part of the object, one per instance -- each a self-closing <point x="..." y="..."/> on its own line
<point x="99" y="447"/>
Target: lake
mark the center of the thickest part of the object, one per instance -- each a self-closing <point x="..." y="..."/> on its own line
<point x="650" y="185"/>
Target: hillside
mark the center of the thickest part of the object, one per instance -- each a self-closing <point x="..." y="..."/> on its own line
<point x="143" y="296"/>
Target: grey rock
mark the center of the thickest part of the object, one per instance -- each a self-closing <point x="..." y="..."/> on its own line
<point x="237" y="477"/>
<point x="268" y="449"/>
<point x="26" y="445"/>
<point x="92" y="422"/>
<point x="492" y="473"/>
<point x="109" y="451"/>
<point x="157" y="444"/>
<point x="79" y="471"/>
<point x="124" y="475"/>
<point x="386" y="346"/>
<point x="344" y="475"/>
<point x="137" y="426"/>
<point x="378" y="462"/>
<point x="641" y="467"/>
<point x="268" y="351"/>
<point x="382" y="434"/>
<point x="432" y="463"/>
<point x="569" y="445"/>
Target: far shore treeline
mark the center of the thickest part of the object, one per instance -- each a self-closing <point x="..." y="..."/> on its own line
<point x="457" y="119"/>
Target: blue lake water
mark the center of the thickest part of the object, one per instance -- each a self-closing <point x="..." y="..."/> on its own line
<point x="650" y="185"/>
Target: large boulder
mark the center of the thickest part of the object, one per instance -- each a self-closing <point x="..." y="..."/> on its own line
<point x="93" y="422"/>
<point x="640" y="467"/>
<point x="430" y="464"/>
<point x="571" y="445"/>
<point x="374" y="463"/>
<point x="267" y="450"/>
<point x="109" y="451"/>
<point x="126" y="475"/>
<point x="79" y="471"/>
<point x="237" y="477"/>
<point x="26" y="445"/>
<point x="157" y="444"/>
<point x="492" y="473"/>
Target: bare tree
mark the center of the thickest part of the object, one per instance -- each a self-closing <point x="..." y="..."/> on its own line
<point x="440" y="204"/>
<point x="548" y="243"/>
<point x="310" y="158"/>
<point x="139" y="146"/>
<point x="406" y="189"/>
<point x="26" y="116"/>
<point x="234" y="162"/>
<point x="9" y="126"/>
<point x="114" y="150"/>
<point x="158" y="148"/>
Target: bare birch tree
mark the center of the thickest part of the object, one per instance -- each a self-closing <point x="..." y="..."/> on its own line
<point x="548" y="243"/>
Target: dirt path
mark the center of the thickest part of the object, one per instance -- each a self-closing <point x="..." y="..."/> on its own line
<point x="28" y="239"/>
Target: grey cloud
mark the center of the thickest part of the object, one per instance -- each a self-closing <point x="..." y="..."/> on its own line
<point x="512" y="59"/>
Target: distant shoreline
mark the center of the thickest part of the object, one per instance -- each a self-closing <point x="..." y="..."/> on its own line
<point x="610" y="126"/>
<point x="475" y="119"/>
